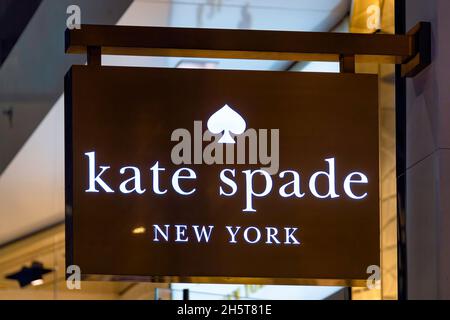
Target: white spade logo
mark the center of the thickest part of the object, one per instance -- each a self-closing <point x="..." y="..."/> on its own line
<point x="228" y="121"/>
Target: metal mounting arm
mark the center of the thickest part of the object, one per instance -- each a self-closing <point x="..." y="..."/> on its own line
<point x="412" y="50"/>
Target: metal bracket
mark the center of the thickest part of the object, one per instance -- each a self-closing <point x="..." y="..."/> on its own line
<point x="94" y="56"/>
<point x="411" y="50"/>
<point x="347" y="63"/>
<point x="421" y="37"/>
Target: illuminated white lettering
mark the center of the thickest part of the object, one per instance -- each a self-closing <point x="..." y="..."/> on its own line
<point x="181" y="233"/>
<point x="177" y="176"/>
<point x="271" y="235"/>
<point x="155" y="172"/>
<point x="233" y="233"/>
<point x="228" y="182"/>
<point x="94" y="179"/>
<point x="136" y="178"/>
<point x="348" y="184"/>
<point x="203" y="233"/>
<point x="249" y="192"/>
<point x="290" y="236"/>
<point x="157" y="230"/>
<point x="295" y="183"/>
<point x="257" y="232"/>
<point x="331" y="181"/>
<point x="254" y="235"/>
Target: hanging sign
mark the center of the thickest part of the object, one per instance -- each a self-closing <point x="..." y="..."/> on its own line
<point x="222" y="176"/>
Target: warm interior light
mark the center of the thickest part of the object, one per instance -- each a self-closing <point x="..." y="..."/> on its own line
<point x="138" y="230"/>
<point x="37" y="282"/>
<point x="197" y="64"/>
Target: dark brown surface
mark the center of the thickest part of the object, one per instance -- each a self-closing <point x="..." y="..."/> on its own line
<point x="422" y="49"/>
<point x="245" y="44"/>
<point x="127" y="116"/>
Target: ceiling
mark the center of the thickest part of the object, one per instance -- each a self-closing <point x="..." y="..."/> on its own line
<point x="31" y="85"/>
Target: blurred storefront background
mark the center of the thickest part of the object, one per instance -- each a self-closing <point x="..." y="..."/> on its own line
<point x="32" y="134"/>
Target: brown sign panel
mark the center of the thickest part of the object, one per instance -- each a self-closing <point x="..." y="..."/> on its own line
<point x="144" y="198"/>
